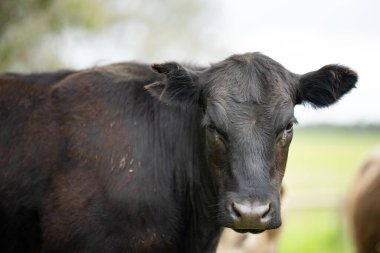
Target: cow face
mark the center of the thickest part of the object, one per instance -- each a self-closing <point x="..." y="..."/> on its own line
<point x="248" y="120"/>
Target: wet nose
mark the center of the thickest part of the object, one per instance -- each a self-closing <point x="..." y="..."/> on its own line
<point x="251" y="215"/>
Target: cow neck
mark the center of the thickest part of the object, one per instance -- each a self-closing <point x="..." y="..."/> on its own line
<point x="185" y="146"/>
<point x="200" y="188"/>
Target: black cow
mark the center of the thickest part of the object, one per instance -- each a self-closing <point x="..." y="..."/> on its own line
<point x="133" y="158"/>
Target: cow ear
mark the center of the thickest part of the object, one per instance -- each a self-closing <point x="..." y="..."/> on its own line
<point x="178" y="87"/>
<point x="325" y="86"/>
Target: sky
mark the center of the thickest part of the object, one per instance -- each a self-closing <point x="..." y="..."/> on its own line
<point x="301" y="35"/>
<point x="306" y="35"/>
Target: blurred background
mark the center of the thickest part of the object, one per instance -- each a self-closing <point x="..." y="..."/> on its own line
<point x="329" y="144"/>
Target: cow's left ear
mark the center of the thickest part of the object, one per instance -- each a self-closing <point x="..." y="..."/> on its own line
<point x="325" y="86"/>
<point x="179" y="87"/>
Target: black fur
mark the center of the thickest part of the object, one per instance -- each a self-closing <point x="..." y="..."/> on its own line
<point x="92" y="162"/>
<point x="326" y="85"/>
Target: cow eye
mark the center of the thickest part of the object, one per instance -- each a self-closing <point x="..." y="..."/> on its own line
<point x="211" y="127"/>
<point x="220" y="134"/>
<point x="289" y="127"/>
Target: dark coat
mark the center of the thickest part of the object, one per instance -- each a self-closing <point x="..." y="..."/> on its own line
<point x="129" y="158"/>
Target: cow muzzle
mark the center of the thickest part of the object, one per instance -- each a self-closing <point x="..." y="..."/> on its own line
<point x="253" y="216"/>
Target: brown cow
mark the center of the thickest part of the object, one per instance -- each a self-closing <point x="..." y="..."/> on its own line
<point x="363" y="206"/>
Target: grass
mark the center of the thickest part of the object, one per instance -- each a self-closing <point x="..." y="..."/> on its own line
<point x="314" y="231"/>
<point x="322" y="163"/>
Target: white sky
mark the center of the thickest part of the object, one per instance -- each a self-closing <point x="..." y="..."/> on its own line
<point x="301" y="35"/>
<point x="304" y="36"/>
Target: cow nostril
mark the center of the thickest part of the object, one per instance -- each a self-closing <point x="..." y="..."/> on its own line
<point x="267" y="211"/>
<point x="235" y="210"/>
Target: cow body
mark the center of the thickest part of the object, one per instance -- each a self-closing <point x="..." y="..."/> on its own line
<point x="126" y="158"/>
<point x="25" y="159"/>
<point x="92" y="182"/>
<point x="363" y="209"/>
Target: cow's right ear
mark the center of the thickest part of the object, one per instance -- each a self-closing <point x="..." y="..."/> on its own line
<point x="179" y="87"/>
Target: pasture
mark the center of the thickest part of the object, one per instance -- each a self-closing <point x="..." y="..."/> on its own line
<point x="321" y="165"/>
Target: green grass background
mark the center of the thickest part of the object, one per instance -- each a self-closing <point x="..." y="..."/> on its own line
<point x="322" y="163"/>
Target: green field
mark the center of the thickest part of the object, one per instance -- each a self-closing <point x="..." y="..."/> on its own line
<point x="321" y="165"/>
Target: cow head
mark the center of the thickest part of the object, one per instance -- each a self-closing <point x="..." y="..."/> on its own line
<point x="248" y="120"/>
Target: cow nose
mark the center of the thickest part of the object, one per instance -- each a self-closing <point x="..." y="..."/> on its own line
<point x="251" y="215"/>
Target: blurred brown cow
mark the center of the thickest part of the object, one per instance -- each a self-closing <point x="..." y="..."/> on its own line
<point x="363" y="206"/>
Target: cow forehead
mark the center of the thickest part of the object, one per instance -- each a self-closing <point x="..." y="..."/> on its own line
<point x="249" y="117"/>
<point x="250" y="78"/>
<point x="249" y="88"/>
